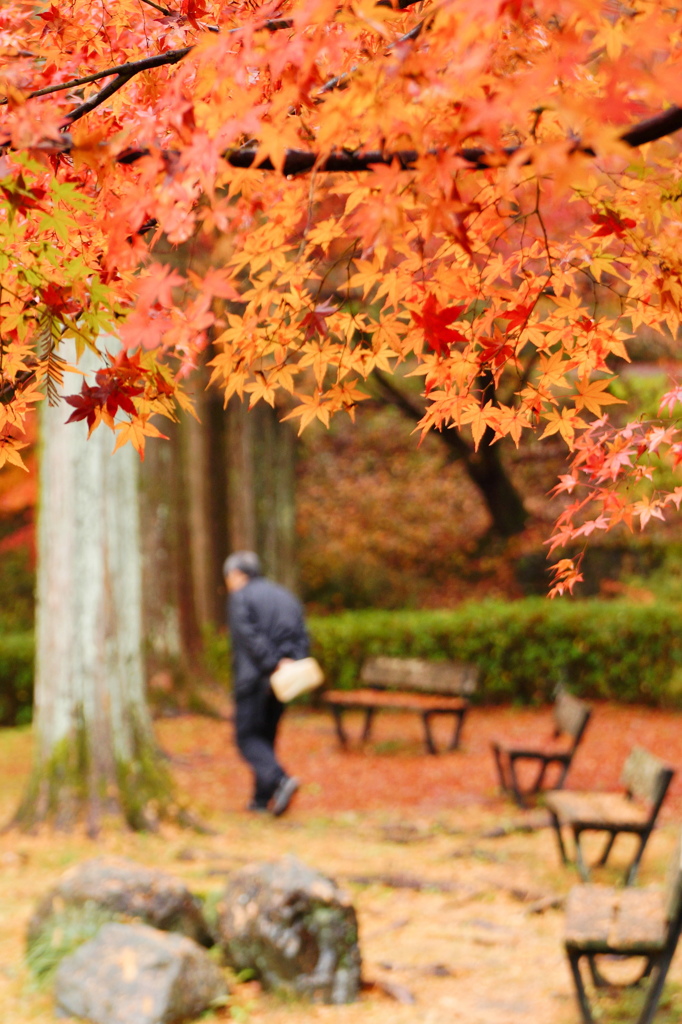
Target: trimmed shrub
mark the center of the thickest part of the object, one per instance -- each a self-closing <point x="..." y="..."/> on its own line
<point x="602" y="650"/>
<point x="16" y="678"/>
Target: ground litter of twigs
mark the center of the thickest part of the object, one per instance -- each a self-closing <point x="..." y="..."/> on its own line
<point x="459" y="893"/>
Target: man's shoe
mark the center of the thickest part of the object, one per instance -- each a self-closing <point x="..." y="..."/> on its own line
<point x="256" y="807"/>
<point x="283" y="795"/>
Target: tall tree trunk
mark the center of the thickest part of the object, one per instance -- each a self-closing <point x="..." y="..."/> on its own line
<point x="169" y="599"/>
<point x="261" y="488"/>
<point x="241" y="500"/>
<point x="95" y="752"/>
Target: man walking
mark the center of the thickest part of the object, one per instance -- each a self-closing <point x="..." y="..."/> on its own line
<point x="267" y="630"/>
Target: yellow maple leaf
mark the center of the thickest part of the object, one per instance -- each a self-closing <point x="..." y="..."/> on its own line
<point x="592" y="395"/>
<point x="564" y="423"/>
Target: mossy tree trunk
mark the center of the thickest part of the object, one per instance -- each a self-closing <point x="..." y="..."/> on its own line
<point x="95" y="753"/>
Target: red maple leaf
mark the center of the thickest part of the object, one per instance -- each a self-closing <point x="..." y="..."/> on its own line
<point x="518" y="316"/>
<point x="435" y="323"/>
<point x="193" y="10"/>
<point x="315" y="322"/>
<point x="610" y="223"/>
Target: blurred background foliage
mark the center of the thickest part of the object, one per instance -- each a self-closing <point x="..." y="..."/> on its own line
<point x="396" y="553"/>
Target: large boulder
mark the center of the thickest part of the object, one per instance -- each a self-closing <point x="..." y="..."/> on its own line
<point x="120" y="889"/>
<point x="294" y="928"/>
<point x="134" y="974"/>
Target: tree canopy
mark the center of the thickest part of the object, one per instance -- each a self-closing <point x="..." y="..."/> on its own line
<point x="474" y="193"/>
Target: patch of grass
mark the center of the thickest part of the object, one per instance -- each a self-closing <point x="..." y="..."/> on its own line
<point x="622" y="1006"/>
<point x="66" y="931"/>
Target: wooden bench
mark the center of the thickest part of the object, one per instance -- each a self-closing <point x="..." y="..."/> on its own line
<point x="570" y="717"/>
<point x="625" y="923"/>
<point x="407" y="684"/>
<point x="646" y="780"/>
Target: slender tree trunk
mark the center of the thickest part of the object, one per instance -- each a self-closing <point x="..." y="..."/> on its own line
<point x="169" y="597"/>
<point x="274" y="461"/>
<point x="261" y="488"/>
<point x="241" y="501"/>
<point x="95" y="752"/>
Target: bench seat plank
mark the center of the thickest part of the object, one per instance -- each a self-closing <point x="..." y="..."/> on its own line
<point x="550" y="748"/>
<point x="598" y="809"/>
<point x="389" y="699"/>
<point x="609" y="920"/>
<point x="372" y="700"/>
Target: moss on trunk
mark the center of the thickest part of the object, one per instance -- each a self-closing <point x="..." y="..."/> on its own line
<point x="69" y="786"/>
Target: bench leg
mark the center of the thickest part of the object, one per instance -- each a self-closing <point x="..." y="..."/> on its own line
<point x="559" y="838"/>
<point x="581" y="994"/>
<point x="459" y="722"/>
<point x="497" y="754"/>
<point x="515" y="788"/>
<point x="367" y="728"/>
<point x="653" y="996"/>
<point x="338" y="722"/>
<point x="634" y="867"/>
<point x="537" y="785"/>
<point x="580" y="861"/>
<point x="608" y="846"/>
<point x="428" y="735"/>
<point x="428" y="738"/>
<point x="563" y="773"/>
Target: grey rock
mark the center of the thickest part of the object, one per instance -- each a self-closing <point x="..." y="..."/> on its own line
<point x="295" y="928"/>
<point x="134" y="974"/>
<point x="124" y="890"/>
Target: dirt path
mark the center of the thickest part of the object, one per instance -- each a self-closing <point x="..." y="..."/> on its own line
<point x="446" y="909"/>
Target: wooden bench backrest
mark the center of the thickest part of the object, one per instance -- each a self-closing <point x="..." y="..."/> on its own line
<point x="445" y="677"/>
<point x="646" y="777"/>
<point x="570" y="715"/>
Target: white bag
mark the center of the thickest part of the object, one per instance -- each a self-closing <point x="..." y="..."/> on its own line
<point x="296" y="677"/>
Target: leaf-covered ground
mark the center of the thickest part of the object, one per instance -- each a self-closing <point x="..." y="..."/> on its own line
<point x="446" y="876"/>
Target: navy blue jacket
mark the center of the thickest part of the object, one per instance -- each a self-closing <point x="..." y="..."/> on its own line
<point x="266" y="624"/>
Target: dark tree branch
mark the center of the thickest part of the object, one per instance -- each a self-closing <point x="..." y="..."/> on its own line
<point x="299" y="161"/>
<point x="99" y="97"/>
<point x="173" y="56"/>
<point x="340" y="81"/>
<point x="414" y="410"/>
<point x="130" y="69"/>
<point x="484" y="467"/>
<point x="157" y="7"/>
<point x="654" y="128"/>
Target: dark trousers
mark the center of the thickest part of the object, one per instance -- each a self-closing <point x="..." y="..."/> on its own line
<point x="257" y="716"/>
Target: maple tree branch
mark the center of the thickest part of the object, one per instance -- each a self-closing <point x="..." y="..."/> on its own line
<point x="299" y="161"/>
<point x="134" y="67"/>
<point x="654" y="128"/>
<point x="173" y="56"/>
<point x="339" y="81"/>
<point x="131" y="68"/>
<point x="98" y="98"/>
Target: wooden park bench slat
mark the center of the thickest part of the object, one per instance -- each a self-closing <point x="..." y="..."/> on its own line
<point x="646" y="780"/>
<point x="628" y="920"/>
<point x="604" y="921"/>
<point x="407" y="684"/>
<point x="570" y="717"/>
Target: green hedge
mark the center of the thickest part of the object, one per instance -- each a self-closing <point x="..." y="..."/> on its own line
<point x="609" y="650"/>
<point x="612" y="650"/>
<point x="16" y="678"/>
